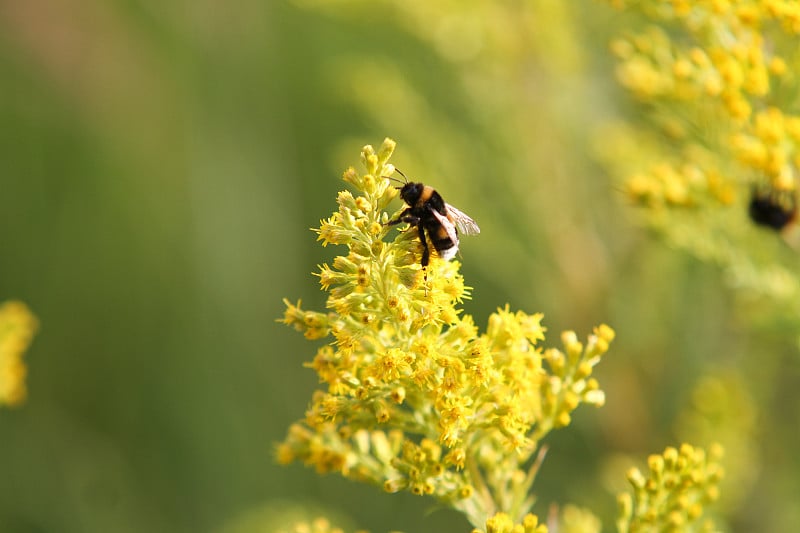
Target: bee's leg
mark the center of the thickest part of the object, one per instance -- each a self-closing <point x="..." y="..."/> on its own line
<point x="426" y="253"/>
<point x="405" y="216"/>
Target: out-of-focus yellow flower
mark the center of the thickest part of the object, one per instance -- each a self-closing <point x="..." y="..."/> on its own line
<point x="716" y="141"/>
<point x="577" y="520"/>
<point x="672" y="495"/>
<point x="713" y="70"/>
<point x="503" y="523"/>
<point x="318" y="525"/>
<point x="17" y="327"/>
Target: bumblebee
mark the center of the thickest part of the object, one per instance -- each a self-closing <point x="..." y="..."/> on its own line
<point x="436" y="221"/>
<point x="773" y="208"/>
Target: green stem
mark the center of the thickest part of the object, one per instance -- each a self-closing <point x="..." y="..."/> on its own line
<point x="482" y="494"/>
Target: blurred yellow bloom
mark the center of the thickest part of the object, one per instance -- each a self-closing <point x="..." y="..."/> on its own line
<point x="17" y="327"/>
<point x="673" y="493"/>
<point x="714" y="149"/>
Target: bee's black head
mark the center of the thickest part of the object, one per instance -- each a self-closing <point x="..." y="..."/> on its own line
<point x="410" y="192"/>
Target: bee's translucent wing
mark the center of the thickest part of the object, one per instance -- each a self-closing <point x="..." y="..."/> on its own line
<point x="464" y="223"/>
<point x="448" y="226"/>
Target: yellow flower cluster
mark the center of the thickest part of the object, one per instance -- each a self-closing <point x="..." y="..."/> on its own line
<point x="503" y="523"/>
<point x="672" y="496"/>
<point x="714" y="74"/>
<point x="415" y="398"/>
<point x="772" y="146"/>
<point x="17" y="326"/>
<point x="714" y="153"/>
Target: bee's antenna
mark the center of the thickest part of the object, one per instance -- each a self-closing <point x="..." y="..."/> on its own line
<point x="397" y="180"/>
<point x="393" y="179"/>
<point x="401" y="173"/>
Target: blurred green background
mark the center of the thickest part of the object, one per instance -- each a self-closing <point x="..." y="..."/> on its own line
<point x="160" y="165"/>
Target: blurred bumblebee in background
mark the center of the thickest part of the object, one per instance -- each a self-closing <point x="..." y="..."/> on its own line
<point x="771" y="207"/>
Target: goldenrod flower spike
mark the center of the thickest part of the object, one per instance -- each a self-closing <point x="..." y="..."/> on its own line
<point x="673" y="494"/>
<point x="414" y="397"/>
